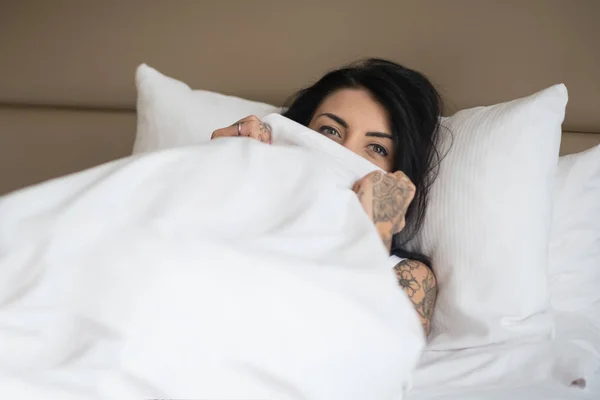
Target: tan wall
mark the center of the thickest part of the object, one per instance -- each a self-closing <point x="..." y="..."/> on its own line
<point x="41" y="143"/>
<point x="78" y="53"/>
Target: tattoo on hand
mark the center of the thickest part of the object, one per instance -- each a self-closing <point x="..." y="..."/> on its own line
<point x="264" y="130"/>
<point x="390" y="201"/>
<point x="421" y="290"/>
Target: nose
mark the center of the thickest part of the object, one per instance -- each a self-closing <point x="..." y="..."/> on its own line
<point x="352" y="144"/>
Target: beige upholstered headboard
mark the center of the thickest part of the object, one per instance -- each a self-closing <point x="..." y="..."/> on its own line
<point x="67" y="95"/>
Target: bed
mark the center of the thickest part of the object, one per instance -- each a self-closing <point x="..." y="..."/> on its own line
<point x="68" y="94"/>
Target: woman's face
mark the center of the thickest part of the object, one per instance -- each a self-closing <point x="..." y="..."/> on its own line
<point x="353" y="119"/>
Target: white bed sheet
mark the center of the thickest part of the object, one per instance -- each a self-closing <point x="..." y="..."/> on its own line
<point x="242" y="280"/>
<point x="467" y="378"/>
<point x="539" y="391"/>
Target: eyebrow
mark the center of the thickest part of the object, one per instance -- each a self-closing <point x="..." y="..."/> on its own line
<point x="345" y="125"/>
<point x="336" y="119"/>
<point x="380" y="134"/>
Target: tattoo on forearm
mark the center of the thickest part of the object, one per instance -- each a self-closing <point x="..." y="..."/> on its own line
<point x="420" y="286"/>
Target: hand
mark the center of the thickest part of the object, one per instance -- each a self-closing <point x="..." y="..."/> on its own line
<point x="251" y="127"/>
<point x="386" y="197"/>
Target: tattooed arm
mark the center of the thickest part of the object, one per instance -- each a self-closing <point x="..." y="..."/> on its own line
<point x="419" y="284"/>
<point x="385" y="198"/>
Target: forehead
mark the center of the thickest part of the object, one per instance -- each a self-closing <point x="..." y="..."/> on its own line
<point x="357" y="107"/>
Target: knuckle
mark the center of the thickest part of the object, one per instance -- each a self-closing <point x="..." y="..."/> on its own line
<point x="367" y="179"/>
<point x="401" y="175"/>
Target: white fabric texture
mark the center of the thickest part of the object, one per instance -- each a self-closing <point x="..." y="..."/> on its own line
<point x="203" y="272"/>
<point x="488" y="222"/>
<point x="574" y="264"/>
<point x="487" y="231"/>
<point x="170" y="114"/>
<point x="529" y="391"/>
<point x="505" y="372"/>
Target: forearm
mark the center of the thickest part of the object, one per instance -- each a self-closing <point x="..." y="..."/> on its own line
<point x="419" y="284"/>
<point x="385" y="233"/>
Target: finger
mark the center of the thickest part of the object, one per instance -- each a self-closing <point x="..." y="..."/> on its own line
<point x="265" y="132"/>
<point x="375" y="177"/>
<point x="376" y="172"/>
<point x="250" y="128"/>
<point x="225" y="132"/>
<point x="244" y="128"/>
<point x="404" y="179"/>
<point x="240" y="129"/>
<point x="257" y="130"/>
<point x="366" y="181"/>
<point x="249" y="118"/>
<point x="362" y="194"/>
<point x="400" y="175"/>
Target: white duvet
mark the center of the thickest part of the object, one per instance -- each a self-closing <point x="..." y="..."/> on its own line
<point x="227" y="270"/>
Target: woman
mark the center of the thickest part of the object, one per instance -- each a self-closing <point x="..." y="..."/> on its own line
<point x="389" y="115"/>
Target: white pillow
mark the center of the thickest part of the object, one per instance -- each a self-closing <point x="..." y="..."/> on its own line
<point x="170" y="114"/>
<point x="488" y="222"/>
<point x="574" y="264"/>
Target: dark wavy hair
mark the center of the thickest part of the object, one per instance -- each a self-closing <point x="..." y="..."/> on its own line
<point x="414" y="107"/>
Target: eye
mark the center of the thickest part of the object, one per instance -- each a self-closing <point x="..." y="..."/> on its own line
<point x="379" y="149"/>
<point x="328" y="130"/>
